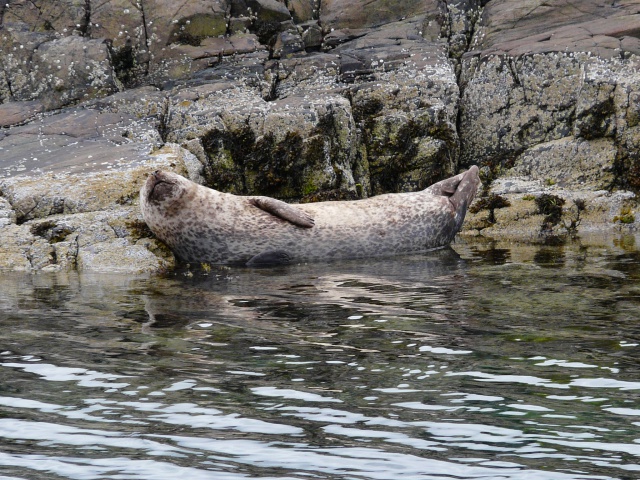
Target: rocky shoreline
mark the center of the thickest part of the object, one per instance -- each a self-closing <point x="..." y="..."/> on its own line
<point x="308" y="101"/>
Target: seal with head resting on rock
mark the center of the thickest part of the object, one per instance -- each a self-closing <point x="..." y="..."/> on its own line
<point x="203" y="225"/>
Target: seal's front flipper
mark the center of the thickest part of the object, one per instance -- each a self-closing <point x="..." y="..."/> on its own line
<point x="269" y="258"/>
<point x="284" y="211"/>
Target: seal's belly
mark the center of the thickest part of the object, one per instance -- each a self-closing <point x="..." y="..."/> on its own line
<point x="342" y="231"/>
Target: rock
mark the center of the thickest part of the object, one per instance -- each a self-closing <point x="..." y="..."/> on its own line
<point x="15" y="247"/>
<point x="61" y="16"/>
<point x="523" y="220"/>
<point x="547" y="95"/>
<point x="311" y="35"/>
<point x="309" y="101"/>
<point x="303" y="10"/>
<point x="528" y="27"/>
<point x="288" y="42"/>
<point x="79" y="140"/>
<point x="15" y="113"/>
<point x="7" y="215"/>
<point x="54" y="71"/>
<point x="88" y="221"/>
<point x="290" y="148"/>
<point x="584" y="164"/>
<point x="361" y="14"/>
<point x="144" y="35"/>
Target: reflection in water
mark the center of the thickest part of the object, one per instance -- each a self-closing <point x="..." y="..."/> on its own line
<point x="482" y="361"/>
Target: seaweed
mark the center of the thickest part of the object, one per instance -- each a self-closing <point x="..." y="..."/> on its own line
<point x="490" y="202"/>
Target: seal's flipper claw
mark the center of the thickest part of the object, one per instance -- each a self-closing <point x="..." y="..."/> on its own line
<point x="269" y="258"/>
<point x="283" y="210"/>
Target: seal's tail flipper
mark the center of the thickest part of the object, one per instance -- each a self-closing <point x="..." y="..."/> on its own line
<point x="465" y="190"/>
<point x="446" y="187"/>
<point x="460" y="189"/>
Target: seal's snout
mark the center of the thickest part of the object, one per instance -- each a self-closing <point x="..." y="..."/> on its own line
<point x="160" y="186"/>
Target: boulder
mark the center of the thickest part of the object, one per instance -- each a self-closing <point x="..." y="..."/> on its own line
<point x="62" y="219"/>
<point x="548" y="94"/>
<point x="55" y="71"/>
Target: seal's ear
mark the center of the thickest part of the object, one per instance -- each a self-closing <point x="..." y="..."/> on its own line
<point x="283" y="211"/>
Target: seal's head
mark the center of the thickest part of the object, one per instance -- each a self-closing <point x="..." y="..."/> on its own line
<point x="164" y="195"/>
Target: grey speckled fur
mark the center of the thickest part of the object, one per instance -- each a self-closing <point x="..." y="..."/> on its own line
<point x="203" y="225"/>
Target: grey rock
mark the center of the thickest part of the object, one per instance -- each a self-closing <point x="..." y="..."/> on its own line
<point x="266" y="10"/>
<point x="239" y="24"/>
<point x="88" y="221"/>
<point x="588" y="164"/>
<point x="15" y="113"/>
<point x="303" y="10"/>
<point x="311" y="35"/>
<point x="288" y="42"/>
<point x="528" y="27"/>
<point x="54" y="71"/>
<point x="337" y="14"/>
<point x="306" y="101"/>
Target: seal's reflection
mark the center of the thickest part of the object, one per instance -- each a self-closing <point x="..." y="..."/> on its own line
<point x="310" y="293"/>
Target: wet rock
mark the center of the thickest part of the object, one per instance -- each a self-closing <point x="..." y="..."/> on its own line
<point x="582" y="213"/>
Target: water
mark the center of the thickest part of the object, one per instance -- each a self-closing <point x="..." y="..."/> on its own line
<point x="484" y="361"/>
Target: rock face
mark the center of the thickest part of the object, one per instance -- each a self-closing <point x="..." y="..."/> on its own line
<point x="306" y="101"/>
<point x="550" y="100"/>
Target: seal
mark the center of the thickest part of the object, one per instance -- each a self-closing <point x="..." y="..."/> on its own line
<point x="203" y="225"/>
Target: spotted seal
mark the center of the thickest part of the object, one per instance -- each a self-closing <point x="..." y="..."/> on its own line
<point x="200" y="224"/>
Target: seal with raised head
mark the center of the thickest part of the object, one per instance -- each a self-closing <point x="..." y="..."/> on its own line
<point x="200" y="224"/>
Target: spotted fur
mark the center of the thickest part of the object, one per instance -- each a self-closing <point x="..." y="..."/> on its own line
<point x="203" y="225"/>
